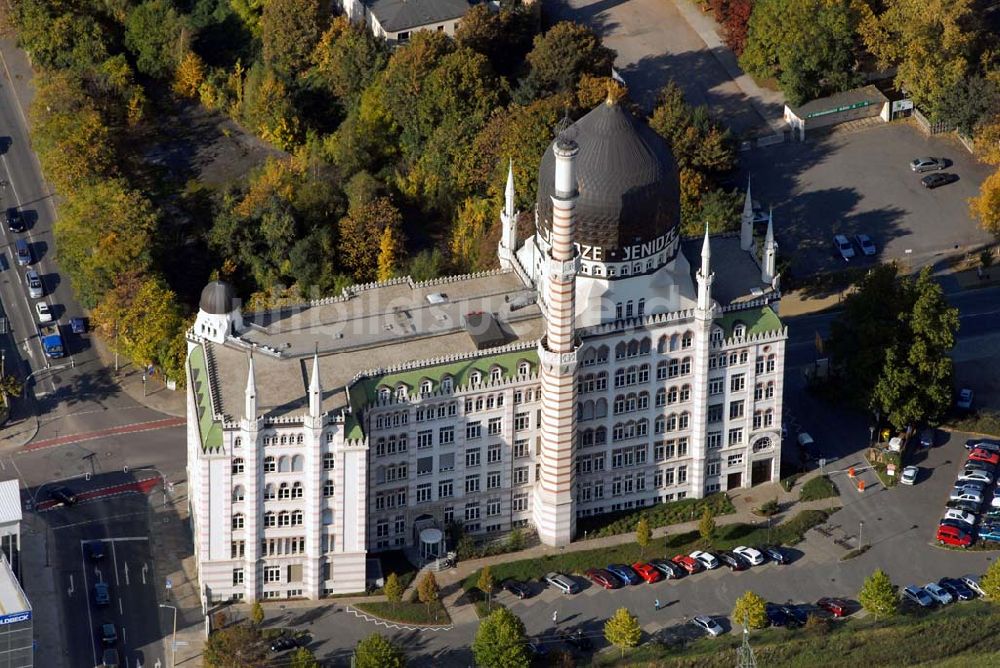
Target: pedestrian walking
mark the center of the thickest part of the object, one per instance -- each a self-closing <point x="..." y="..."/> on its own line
<point x="656" y="604"/>
<point x="555" y="616"/>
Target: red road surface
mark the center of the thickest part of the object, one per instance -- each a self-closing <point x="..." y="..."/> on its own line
<point x="104" y="433"/>
<point x="144" y="486"/>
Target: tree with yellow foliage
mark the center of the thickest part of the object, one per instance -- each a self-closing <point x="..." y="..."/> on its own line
<point x="986" y="207"/>
<point x="189" y="75"/>
<point x="389" y="252"/>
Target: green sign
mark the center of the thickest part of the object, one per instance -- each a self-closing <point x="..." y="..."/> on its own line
<point x="846" y="107"/>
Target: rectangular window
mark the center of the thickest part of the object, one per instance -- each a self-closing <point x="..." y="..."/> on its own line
<point x="425" y="439"/>
<point x="472" y="458"/>
<point x="424" y="492"/>
<point x="329" y="461"/>
<point x="493" y="453"/>
<point x="668" y="477"/>
<point x="522" y="421"/>
<point x="520" y="448"/>
<point x="446" y="435"/>
<point x="715" y="413"/>
<point x="736" y="436"/>
<point x="735" y="409"/>
<point x="682" y="447"/>
<point x="327" y="489"/>
<point x="471" y="512"/>
<point x="521" y="475"/>
<point x="473" y="430"/>
<point x="446" y="488"/>
<point x="236" y="549"/>
<point x="713" y="468"/>
<point x="449" y="515"/>
<point x="659" y="451"/>
<point x="493" y="480"/>
<point x="616" y="487"/>
<point x="493" y="507"/>
<point x="734" y="460"/>
<point x="446" y="462"/>
<point x="714" y="440"/>
<point x="682" y="474"/>
<point x="272" y="574"/>
<point x="237" y="576"/>
<point x="520" y="503"/>
<point x="495" y="426"/>
<point x="758" y="391"/>
<point x="471" y="484"/>
<point x="716" y="386"/>
<point x="738" y="382"/>
<point x="425" y="466"/>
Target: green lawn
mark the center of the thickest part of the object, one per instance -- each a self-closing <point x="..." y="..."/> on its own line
<point x="407" y="613"/>
<point x="817" y="488"/>
<point x="963" y="635"/>
<point x="727" y="537"/>
<point x="660" y="515"/>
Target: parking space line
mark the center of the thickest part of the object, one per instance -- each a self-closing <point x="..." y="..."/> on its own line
<point x="114" y="557"/>
<point x="86" y="590"/>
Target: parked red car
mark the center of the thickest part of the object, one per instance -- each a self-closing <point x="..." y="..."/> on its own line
<point x="951" y="535"/>
<point x="835" y="606"/>
<point x="687" y="563"/>
<point x="981" y="455"/>
<point x="647" y="572"/>
<point x="602" y="578"/>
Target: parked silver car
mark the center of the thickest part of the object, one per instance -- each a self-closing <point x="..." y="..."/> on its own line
<point x="927" y="164"/>
<point x="35" y="288"/>
<point x="563" y="583"/>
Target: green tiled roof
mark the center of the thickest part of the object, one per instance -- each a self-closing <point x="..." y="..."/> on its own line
<point x="757" y="321"/>
<point x="365" y="390"/>
<point x="208" y="426"/>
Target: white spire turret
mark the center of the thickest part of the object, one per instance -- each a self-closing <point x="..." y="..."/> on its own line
<point x="705" y="278"/>
<point x="250" y="395"/>
<point x="315" y="390"/>
<point x="767" y="269"/>
<point x="508" y="194"/>
<point x="746" y="221"/>
<point x="508" y="222"/>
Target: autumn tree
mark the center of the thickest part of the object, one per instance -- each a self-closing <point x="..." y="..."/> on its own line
<point x="346" y="60"/>
<point x="427" y="589"/>
<point x="257" y="614"/>
<point x="60" y="36"/>
<point x="238" y="646"/>
<point x="622" y="630"/>
<point x="289" y="31"/>
<point x="471" y="224"/>
<point x="878" y="595"/>
<point x="504" y="37"/>
<point x="10" y="386"/>
<point x="389" y="251"/>
<point x="304" y="658"/>
<point x="486" y="584"/>
<point x="808" y="45"/>
<point x="643" y="534"/>
<point x="267" y="108"/>
<point x="986" y="206"/>
<point x="560" y="56"/>
<point x="190" y="75"/>
<point x="706" y="526"/>
<point x="750" y="610"/>
<point x="990" y="581"/>
<point x="987" y="139"/>
<point x="736" y="24"/>
<point x="377" y="652"/>
<point x="155" y="33"/>
<point x="363" y="223"/>
<point x="500" y="641"/>
<point x="393" y="589"/>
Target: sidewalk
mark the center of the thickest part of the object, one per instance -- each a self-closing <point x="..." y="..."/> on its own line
<point x="153" y="393"/>
<point x="745" y="500"/>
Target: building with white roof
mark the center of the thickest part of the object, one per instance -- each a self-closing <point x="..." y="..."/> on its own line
<point x="606" y="366"/>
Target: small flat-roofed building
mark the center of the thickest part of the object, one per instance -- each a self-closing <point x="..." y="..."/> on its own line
<point x="10" y="524"/>
<point x="16" y="627"/>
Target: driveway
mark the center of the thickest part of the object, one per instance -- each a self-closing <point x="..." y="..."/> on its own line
<point x="660" y="40"/>
<point x="860" y="181"/>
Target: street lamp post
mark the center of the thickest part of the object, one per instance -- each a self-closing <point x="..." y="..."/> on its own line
<point x="173" y="644"/>
<point x="861" y="528"/>
<point x="769" y="529"/>
<point x="143" y="384"/>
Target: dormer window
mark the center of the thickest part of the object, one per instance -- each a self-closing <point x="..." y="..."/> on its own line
<point x="523" y="369"/>
<point x="717" y="335"/>
<point x="625" y="270"/>
<point x="384" y="393"/>
<point x="476" y="377"/>
<point x="400" y="391"/>
<point x="426" y="387"/>
<point x="739" y="330"/>
<point x="496" y="373"/>
<point x="637" y="268"/>
<point x="446" y="384"/>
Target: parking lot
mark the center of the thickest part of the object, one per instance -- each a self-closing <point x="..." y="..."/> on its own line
<point x="861" y="182"/>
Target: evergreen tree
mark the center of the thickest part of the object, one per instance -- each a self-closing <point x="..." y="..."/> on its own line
<point x="623" y="630"/>
<point x="500" y="641"/>
<point x="393" y="589"/>
<point x="878" y="595"/>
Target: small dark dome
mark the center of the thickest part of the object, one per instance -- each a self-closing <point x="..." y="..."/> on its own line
<point x="218" y="298"/>
<point x="629" y="189"/>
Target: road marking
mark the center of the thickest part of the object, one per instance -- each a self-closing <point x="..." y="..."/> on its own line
<point x="101" y="520"/>
<point x="90" y="619"/>
<point x="145" y="567"/>
<point x="124" y="637"/>
<point x="157" y="664"/>
<point x="72" y="586"/>
<point x="97" y="571"/>
<point x="121" y="610"/>
<point x="126" y="574"/>
<point x="114" y="558"/>
<point x="137" y="427"/>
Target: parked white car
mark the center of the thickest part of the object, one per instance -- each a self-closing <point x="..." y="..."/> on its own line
<point x="959" y="515"/>
<point x="909" y="475"/>
<point x="750" y="554"/>
<point x="43" y="312"/>
<point x="708" y="625"/>
<point x="705" y="559"/>
<point x="975" y="476"/>
<point x="965" y="495"/>
<point x="972" y="582"/>
<point x="843" y="246"/>
<point x="938" y="593"/>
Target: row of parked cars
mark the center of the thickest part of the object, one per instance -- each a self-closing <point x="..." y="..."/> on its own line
<point x="969" y="516"/>
<point x="944" y="591"/>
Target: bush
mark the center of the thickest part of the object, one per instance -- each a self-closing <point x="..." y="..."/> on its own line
<point x="768" y="508"/>
<point x="664" y="514"/>
<point x="817" y="488"/>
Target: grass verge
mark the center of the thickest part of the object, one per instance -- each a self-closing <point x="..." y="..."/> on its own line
<point x="817" y="488"/>
<point x="980" y="422"/>
<point x="934" y="639"/>
<point x="660" y="515"/>
<point x="407" y="612"/>
<point x="727" y="537"/>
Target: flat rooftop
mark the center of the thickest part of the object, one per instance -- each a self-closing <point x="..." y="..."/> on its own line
<point x="737" y="275"/>
<point x="12" y="597"/>
<point x="373" y="327"/>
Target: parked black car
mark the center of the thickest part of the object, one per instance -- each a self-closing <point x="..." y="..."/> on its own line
<point x="774" y="553"/>
<point x="669" y="569"/>
<point x="282" y="643"/>
<point x="967" y="506"/>
<point x="958" y="589"/>
<point x="15" y="221"/>
<point x="734" y="561"/>
<point x="577" y="639"/>
<point x="777" y="616"/>
<point x="517" y="588"/>
<point x="798" y="614"/>
<point x="939" y="179"/>
<point x="63" y="495"/>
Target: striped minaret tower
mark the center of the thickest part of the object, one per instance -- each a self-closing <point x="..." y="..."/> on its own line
<point x="704" y="314"/>
<point x="553" y="512"/>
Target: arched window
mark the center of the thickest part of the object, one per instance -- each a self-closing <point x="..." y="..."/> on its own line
<point x="687" y="340"/>
<point x="602" y="354"/>
<point x="674" y="339"/>
<point x="238" y="493"/>
<point x="644" y="345"/>
<point x="661" y="344"/>
<point x="270" y="466"/>
<point x="283" y="518"/>
<point x="269" y="491"/>
<point x="238" y="465"/>
<point x="588" y="357"/>
<point x="672" y="422"/>
<point x="661" y="397"/>
<point x="659" y="425"/>
<point x="619" y="405"/>
<point x="600" y="436"/>
<point x="297" y="463"/>
<point x="238" y="442"/>
<point x="284" y="440"/>
<point x="771" y="361"/>
<point x="496" y="374"/>
<point x="426" y="387"/>
<point x="283" y="465"/>
<point x="683" y="420"/>
<point x="284" y="491"/>
<point x="642" y="427"/>
<point x="297" y="490"/>
<point x="523" y="369"/>
<point x="685" y="393"/>
<point x="384" y="393"/>
<point x="685" y="366"/>
<point x="643" y="401"/>
<point x="739" y="330"/>
<point x="672" y="395"/>
<point x="762" y="443"/>
<point x="476" y="377"/>
<point x="768" y="417"/>
<point x="296" y="518"/>
<point x="401" y="392"/>
<point x="269" y="519"/>
<point x="601" y="408"/>
<point x="633" y="348"/>
<point x="447" y="383"/>
<point x="621" y="350"/>
<point x="238" y="521"/>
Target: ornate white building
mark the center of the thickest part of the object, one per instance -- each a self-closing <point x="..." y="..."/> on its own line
<point x="606" y="366"/>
